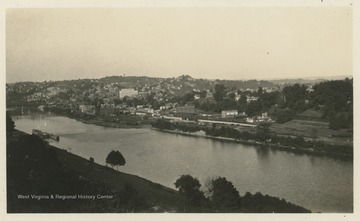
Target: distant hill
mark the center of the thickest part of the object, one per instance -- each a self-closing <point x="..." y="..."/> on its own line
<point x="313" y="80"/>
<point x="184" y="83"/>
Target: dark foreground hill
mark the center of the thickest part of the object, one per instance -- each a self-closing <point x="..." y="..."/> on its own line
<point x="45" y="179"/>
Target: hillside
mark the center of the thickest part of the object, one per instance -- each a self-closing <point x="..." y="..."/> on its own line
<point x="34" y="168"/>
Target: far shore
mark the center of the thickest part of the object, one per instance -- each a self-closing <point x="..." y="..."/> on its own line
<point x="312" y="151"/>
<point x="261" y="144"/>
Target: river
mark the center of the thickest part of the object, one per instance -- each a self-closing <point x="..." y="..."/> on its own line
<point x="318" y="183"/>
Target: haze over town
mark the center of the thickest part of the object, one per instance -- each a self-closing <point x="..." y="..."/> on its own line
<point x="212" y="43"/>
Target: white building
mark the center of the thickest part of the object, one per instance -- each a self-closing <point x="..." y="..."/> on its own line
<point x="128" y="93"/>
<point x="229" y="113"/>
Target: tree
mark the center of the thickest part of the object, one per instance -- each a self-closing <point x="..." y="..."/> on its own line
<point x="219" y="92"/>
<point x="254" y="108"/>
<point x="189" y="187"/>
<point x="10" y="125"/>
<point x="203" y="94"/>
<point x="285" y="116"/>
<point x="263" y="131"/>
<point x="295" y="96"/>
<point x="115" y="158"/>
<point x="242" y="103"/>
<point x="188" y="97"/>
<point x="223" y="195"/>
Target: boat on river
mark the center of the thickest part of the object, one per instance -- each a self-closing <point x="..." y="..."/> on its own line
<point x="45" y="135"/>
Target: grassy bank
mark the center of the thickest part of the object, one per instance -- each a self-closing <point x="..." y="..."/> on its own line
<point x="69" y="174"/>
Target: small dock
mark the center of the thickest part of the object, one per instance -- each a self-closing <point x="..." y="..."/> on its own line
<point x="45" y="135"/>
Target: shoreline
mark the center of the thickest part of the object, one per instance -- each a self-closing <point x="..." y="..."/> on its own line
<point x="101" y="122"/>
<point x="257" y="143"/>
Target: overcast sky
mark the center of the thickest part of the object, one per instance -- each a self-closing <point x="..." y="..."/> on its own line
<point x="217" y="43"/>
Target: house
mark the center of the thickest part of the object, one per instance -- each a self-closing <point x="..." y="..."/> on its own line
<point x="264" y="118"/>
<point x="237" y="97"/>
<point x="145" y="110"/>
<point x="87" y="109"/>
<point x="52" y="91"/>
<point x="251" y="98"/>
<point x="229" y="113"/>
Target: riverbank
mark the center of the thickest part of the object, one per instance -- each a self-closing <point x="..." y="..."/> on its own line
<point x="70" y="174"/>
<point x="103" y="123"/>
<point x="49" y="180"/>
<point x="291" y="149"/>
<point x="132" y="121"/>
<point x="335" y="151"/>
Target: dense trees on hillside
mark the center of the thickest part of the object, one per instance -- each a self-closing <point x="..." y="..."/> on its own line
<point x="294" y="97"/>
<point x="189" y="187"/>
<point x="336" y="95"/>
<point x="219" y="92"/>
<point x="223" y="197"/>
<point x="334" y="99"/>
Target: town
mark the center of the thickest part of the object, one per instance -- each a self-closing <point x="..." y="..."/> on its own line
<point x="292" y="109"/>
<point x="182" y="98"/>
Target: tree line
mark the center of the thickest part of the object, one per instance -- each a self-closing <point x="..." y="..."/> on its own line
<point x="220" y="196"/>
<point x="262" y="134"/>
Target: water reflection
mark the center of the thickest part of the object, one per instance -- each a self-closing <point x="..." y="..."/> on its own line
<point x="263" y="152"/>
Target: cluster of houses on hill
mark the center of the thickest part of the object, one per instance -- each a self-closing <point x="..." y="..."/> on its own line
<point x="83" y="96"/>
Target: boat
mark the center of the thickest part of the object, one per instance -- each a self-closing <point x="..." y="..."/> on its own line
<point x="45" y="135"/>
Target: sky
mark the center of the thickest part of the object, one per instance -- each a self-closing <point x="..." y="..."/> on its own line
<point x="214" y="43"/>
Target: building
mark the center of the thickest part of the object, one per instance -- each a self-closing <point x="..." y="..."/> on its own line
<point x="87" y="109"/>
<point x="128" y="93"/>
<point x="143" y="94"/>
<point x="264" y="118"/>
<point x="250" y="120"/>
<point x="209" y="95"/>
<point x="145" y="110"/>
<point x="251" y="98"/>
<point x="52" y="91"/>
<point x="237" y="97"/>
<point x="229" y="113"/>
<point x="186" y="112"/>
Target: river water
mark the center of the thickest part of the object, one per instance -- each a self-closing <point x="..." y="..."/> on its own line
<point x="318" y="183"/>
